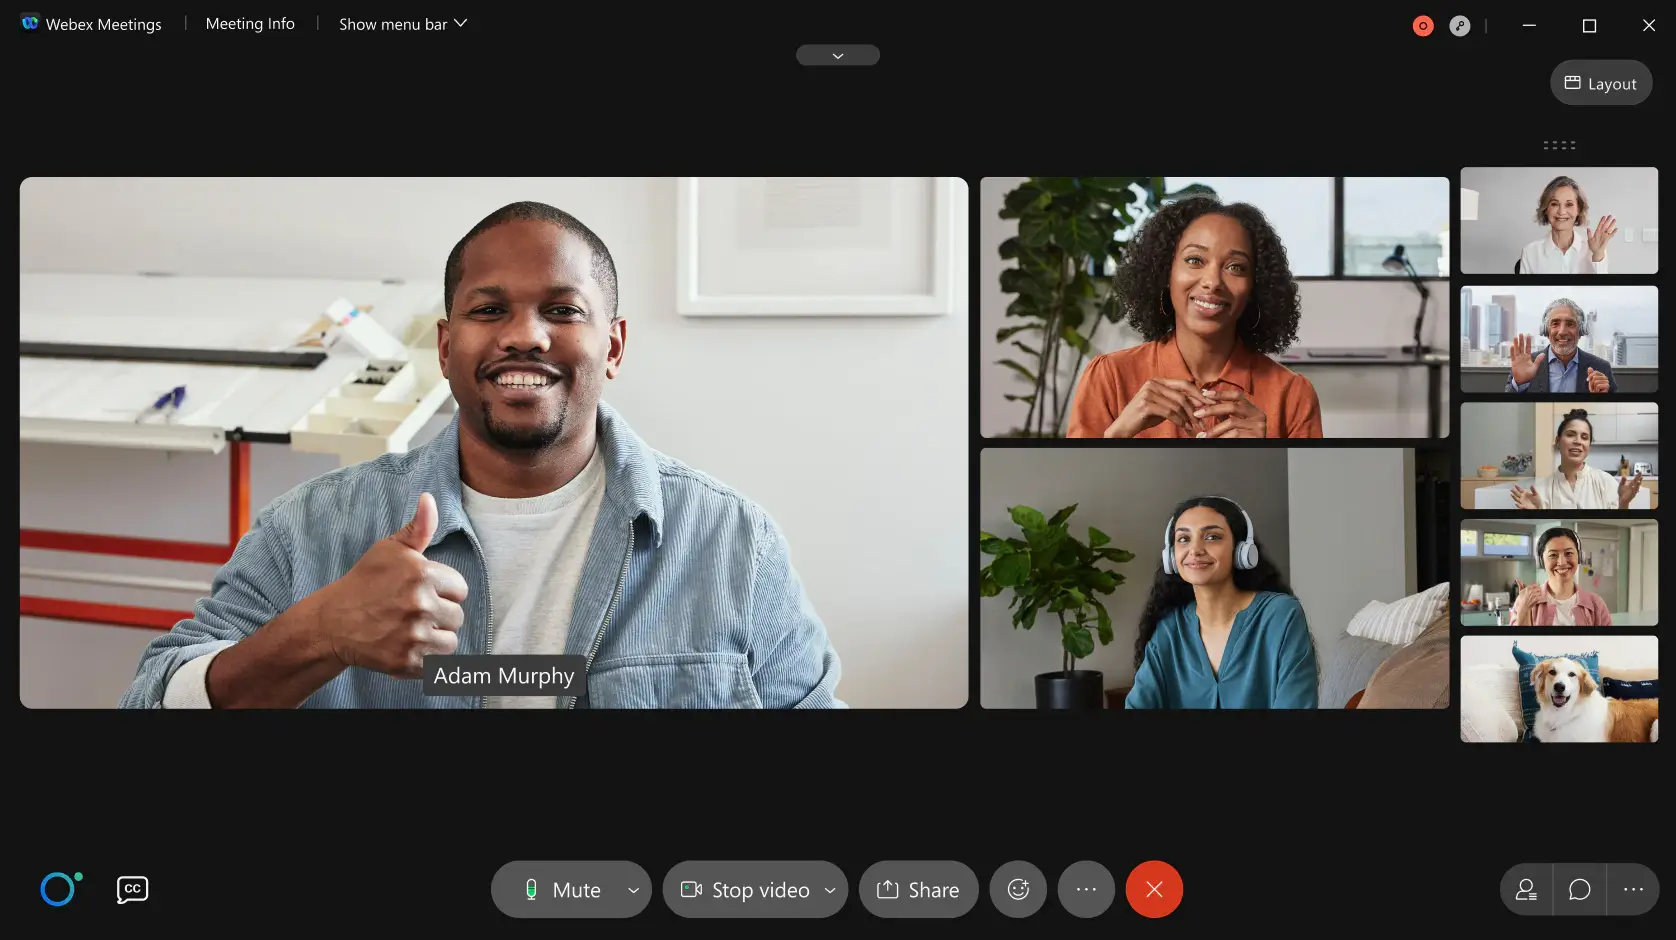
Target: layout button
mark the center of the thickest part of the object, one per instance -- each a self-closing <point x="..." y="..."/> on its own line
<point x="1597" y="82"/>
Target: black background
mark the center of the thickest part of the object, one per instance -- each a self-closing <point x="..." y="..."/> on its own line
<point x="390" y="820"/>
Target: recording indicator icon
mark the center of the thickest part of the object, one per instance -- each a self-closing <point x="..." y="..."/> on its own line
<point x="529" y="889"/>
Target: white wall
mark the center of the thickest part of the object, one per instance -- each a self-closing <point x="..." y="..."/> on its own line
<point x="1370" y="403"/>
<point x="1622" y="652"/>
<point x="852" y="432"/>
<point x="1340" y="560"/>
<point x="1506" y="221"/>
<point x="1494" y="431"/>
<point x="1126" y="493"/>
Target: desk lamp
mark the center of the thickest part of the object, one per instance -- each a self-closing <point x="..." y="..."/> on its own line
<point x="1398" y="263"/>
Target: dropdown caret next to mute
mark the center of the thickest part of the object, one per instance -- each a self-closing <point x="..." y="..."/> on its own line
<point x="838" y="54"/>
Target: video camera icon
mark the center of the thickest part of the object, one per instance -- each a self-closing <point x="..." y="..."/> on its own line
<point x="888" y="890"/>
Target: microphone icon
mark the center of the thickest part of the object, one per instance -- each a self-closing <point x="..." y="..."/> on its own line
<point x="529" y="889"/>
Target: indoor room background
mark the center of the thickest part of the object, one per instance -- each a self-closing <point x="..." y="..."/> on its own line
<point x="1498" y="214"/>
<point x="1504" y="444"/>
<point x="847" y="430"/>
<point x="1348" y="302"/>
<point x="1619" y="560"/>
<point x="1622" y="323"/>
<point x="1626" y="652"/>
<point x="1340" y="524"/>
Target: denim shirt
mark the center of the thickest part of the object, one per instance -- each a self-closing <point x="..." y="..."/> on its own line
<point x="688" y="598"/>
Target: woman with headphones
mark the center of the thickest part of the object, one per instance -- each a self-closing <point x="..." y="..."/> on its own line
<point x="1221" y="629"/>
<point x="1208" y="287"/>
<point x="1558" y="601"/>
<point x="1563" y="368"/>
<point x="1564" y="211"/>
<point x="1576" y="485"/>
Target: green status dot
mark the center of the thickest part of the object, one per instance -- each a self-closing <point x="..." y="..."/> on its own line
<point x="78" y="876"/>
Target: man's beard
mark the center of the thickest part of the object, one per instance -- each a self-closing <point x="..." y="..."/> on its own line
<point x="540" y="437"/>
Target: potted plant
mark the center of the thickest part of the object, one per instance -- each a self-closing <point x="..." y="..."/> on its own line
<point x="1050" y="571"/>
<point x="1072" y="232"/>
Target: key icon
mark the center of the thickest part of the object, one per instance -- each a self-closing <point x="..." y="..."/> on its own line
<point x="1460" y="26"/>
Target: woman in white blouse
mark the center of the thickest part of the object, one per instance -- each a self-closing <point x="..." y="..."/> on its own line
<point x="1576" y="485"/>
<point x="1565" y="211"/>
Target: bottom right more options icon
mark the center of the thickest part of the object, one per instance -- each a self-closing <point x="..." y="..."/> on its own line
<point x="1087" y="889"/>
<point x="1154" y="889"/>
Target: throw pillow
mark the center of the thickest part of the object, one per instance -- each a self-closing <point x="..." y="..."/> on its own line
<point x="1399" y="622"/>
<point x="1527" y="692"/>
<point x="1618" y="688"/>
<point x="1489" y="705"/>
<point x="1416" y="676"/>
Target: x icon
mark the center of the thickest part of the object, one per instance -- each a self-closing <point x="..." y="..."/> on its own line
<point x="1647" y="26"/>
<point x="1155" y="888"/>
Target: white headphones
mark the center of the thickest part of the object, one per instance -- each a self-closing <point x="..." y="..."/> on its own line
<point x="1245" y="553"/>
<point x="1537" y="544"/>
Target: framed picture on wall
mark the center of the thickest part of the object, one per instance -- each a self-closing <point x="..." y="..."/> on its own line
<point x="818" y="246"/>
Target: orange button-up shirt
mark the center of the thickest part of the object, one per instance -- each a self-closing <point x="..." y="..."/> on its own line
<point x="1285" y="397"/>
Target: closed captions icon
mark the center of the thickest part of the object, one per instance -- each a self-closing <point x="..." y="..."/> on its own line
<point x="131" y="888"/>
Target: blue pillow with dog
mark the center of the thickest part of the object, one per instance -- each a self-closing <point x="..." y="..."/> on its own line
<point x="1527" y="692"/>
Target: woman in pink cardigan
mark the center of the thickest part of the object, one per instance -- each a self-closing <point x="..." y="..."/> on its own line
<point x="1558" y="601"/>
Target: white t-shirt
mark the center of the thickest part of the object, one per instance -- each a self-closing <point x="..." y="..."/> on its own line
<point x="1544" y="257"/>
<point x="1565" y="612"/>
<point x="534" y="549"/>
<point x="1594" y="489"/>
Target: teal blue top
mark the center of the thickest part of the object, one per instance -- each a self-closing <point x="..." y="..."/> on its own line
<point x="1269" y="661"/>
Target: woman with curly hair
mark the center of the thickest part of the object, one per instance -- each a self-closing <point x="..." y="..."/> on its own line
<point x="1207" y="286"/>
<point x="1221" y="629"/>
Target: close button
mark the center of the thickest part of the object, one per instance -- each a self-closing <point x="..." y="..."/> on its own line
<point x="838" y="54"/>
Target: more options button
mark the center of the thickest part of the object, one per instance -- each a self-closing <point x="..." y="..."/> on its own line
<point x="1589" y="82"/>
<point x="606" y="890"/>
<point x="756" y="889"/>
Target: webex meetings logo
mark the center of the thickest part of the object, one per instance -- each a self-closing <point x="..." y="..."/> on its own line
<point x="31" y="21"/>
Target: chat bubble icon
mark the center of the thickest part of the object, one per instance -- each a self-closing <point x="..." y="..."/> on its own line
<point x="1579" y="885"/>
<point x="132" y="888"/>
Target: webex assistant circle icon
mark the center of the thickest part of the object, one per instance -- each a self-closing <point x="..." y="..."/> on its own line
<point x="49" y="887"/>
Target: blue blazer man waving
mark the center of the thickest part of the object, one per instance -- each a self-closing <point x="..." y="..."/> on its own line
<point x="1562" y="368"/>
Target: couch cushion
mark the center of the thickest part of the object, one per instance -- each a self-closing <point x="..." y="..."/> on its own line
<point x="1349" y="664"/>
<point x="1416" y="676"/>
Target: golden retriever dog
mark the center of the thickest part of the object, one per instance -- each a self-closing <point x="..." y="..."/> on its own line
<point x="1572" y="710"/>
